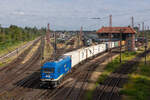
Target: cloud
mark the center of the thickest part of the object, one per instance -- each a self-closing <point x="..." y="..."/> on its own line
<point x="18" y="13"/>
<point x="71" y="14"/>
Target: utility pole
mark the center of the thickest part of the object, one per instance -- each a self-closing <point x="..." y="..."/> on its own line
<point x="55" y="44"/>
<point x="145" y="46"/>
<point x="110" y="21"/>
<point x="121" y="45"/>
<point x="144" y="40"/>
<point x="143" y="31"/>
<point x="48" y="37"/>
<point x="139" y="27"/>
<point x="81" y="34"/>
<point x="78" y="39"/>
<point x="147" y="36"/>
<point x="110" y="36"/>
<point x="48" y="33"/>
<point x="41" y="51"/>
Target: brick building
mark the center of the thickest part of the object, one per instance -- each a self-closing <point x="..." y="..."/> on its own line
<point x="125" y="33"/>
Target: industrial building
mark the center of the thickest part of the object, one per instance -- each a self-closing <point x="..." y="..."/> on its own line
<point x="126" y="34"/>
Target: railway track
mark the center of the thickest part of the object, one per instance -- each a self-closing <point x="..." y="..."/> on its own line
<point x="69" y="94"/>
<point x="16" y="51"/>
<point x="109" y="90"/>
<point x="22" y="85"/>
<point x="75" y="89"/>
<point x="32" y="80"/>
<point x="18" y="74"/>
<point x="17" y="61"/>
<point x="61" y="51"/>
<point x="41" y="93"/>
<point x="9" y="70"/>
<point x="83" y="80"/>
<point x="23" y="80"/>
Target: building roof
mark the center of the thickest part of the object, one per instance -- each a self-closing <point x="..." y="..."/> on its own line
<point x="116" y="30"/>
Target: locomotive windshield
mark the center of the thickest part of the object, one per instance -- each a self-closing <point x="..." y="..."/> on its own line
<point x="48" y="70"/>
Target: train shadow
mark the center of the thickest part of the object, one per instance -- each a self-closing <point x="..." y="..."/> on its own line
<point x="30" y="81"/>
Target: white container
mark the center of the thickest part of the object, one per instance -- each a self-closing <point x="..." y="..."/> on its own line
<point x="74" y="57"/>
<point x="82" y="54"/>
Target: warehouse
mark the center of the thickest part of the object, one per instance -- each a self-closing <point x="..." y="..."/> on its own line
<point x="126" y="34"/>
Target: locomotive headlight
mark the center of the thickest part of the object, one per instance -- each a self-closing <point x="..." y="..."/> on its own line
<point x="48" y="76"/>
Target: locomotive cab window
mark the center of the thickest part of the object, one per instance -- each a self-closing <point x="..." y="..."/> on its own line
<point x="48" y="70"/>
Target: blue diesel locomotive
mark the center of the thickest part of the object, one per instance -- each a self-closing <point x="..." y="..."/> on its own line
<point x="53" y="72"/>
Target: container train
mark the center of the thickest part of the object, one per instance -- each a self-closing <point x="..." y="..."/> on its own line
<point x="52" y="72"/>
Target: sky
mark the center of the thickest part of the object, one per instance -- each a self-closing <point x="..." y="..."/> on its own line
<point x="72" y="14"/>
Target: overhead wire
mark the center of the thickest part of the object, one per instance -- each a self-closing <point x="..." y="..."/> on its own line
<point x="123" y="14"/>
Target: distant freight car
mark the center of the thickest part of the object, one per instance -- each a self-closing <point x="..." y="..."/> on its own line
<point x="71" y="42"/>
<point x="87" y="42"/>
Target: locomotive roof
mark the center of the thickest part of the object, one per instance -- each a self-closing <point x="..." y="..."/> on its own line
<point x="59" y="61"/>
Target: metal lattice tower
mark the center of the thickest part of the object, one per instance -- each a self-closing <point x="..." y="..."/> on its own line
<point x="48" y="33"/>
<point x="81" y="34"/>
<point x="110" y="21"/>
<point x="132" y="20"/>
<point x="139" y="27"/>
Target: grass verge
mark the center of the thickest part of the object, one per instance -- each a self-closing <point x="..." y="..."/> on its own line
<point x="6" y="61"/>
<point x="138" y="86"/>
<point x="10" y="47"/>
<point x="111" y="67"/>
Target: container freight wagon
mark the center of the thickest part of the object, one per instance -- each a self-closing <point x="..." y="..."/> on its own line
<point x="111" y="44"/>
<point x="84" y="53"/>
<point x="116" y="44"/>
<point x="123" y="43"/>
<point x="53" y="72"/>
